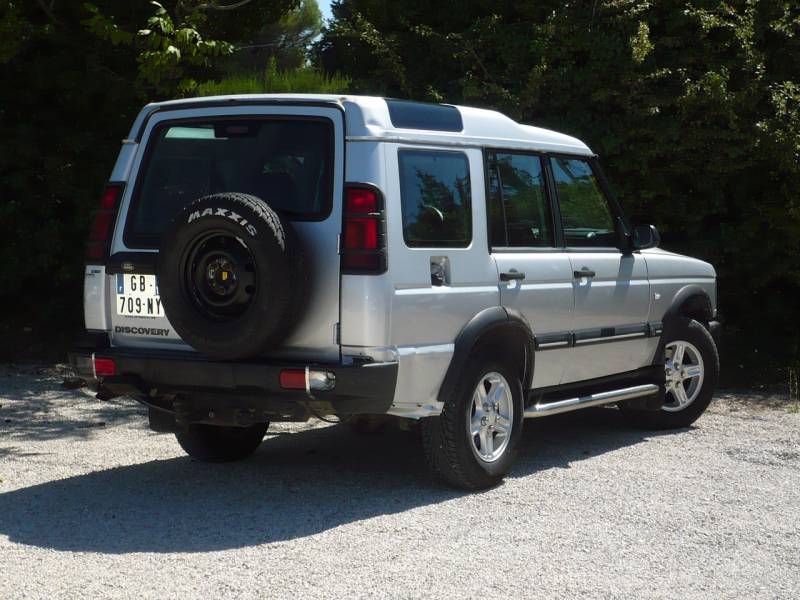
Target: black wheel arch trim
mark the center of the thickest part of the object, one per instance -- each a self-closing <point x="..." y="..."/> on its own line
<point x="693" y="295"/>
<point x="486" y="321"/>
<point x="690" y="297"/>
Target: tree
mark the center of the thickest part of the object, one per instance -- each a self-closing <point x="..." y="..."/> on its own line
<point x="286" y="41"/>
<point x="694" y="109"/>
<point x="72" y="78"/>
<point x="180" y="44"/>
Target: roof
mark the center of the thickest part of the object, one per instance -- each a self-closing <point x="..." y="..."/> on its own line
<point x="368" y="118"/>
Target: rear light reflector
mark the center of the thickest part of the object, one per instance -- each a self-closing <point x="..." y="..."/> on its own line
<point x="293" y="379"/>
<point x="104" y="367"/>
<point x="363" y="250"/>
<point x="99" y="243"/>
<point x="307" y="379"/>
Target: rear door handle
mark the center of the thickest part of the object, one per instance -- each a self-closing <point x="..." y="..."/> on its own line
<point x="583" y="272"/>
<point x="511" y="275"/>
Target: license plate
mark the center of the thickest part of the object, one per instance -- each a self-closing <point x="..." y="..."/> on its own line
<point x="137" y="296"/>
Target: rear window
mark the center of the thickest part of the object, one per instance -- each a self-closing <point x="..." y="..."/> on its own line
<point x="285" y="162"/>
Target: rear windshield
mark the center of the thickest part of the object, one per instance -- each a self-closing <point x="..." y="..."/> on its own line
<point x="285" y="162"/>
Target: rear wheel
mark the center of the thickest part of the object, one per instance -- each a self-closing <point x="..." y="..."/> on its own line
<point x="691" y="366"/>
<point x="473" y="443"/>
<point x="213" y="443"/>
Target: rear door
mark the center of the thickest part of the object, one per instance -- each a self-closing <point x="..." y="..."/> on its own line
<point x="522" y="235"/>
<point x="611" y="288"/>
<point x="290" y="156"/>
<point x="442" y="274"/>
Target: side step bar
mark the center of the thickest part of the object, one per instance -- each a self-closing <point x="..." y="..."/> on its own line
<point x="545" y="409"/>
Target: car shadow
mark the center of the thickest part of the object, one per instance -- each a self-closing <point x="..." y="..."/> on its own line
<point x="38" y="407"/>
<point x="296" y="485"/>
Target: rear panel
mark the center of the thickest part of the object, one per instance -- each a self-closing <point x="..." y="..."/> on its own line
<point x="133" y="246"/>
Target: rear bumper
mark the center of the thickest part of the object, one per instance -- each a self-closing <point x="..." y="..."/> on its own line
<point x="192" y="387"/>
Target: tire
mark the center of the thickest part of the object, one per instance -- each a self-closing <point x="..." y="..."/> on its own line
<point x="232" y="276"/>
<point x="451" y="452"/>
<point x="699" y="350"/>
<point x="212" y="443"/>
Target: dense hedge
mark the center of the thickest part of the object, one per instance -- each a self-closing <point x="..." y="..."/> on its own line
<point x="694" y="109"/>
<point x="73" y="75"/>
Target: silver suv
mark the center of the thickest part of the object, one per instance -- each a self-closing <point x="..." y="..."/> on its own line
<point x="268" y="258"/>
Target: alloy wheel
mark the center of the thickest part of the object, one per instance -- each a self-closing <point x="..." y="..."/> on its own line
<point x="684" y="374"/>
<point x="491" y="417"/>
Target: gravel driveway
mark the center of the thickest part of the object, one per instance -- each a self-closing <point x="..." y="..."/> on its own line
<point x="92" y="505"/>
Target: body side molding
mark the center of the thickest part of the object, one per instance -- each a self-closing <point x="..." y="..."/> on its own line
<point x="597" y="335"/>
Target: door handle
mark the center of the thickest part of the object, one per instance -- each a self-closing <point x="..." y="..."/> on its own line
<point x="511" y="275"/>
<point x="583" y="272"/>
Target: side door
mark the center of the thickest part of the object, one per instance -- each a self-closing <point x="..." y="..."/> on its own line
<point x="535" y="272"/>
<point x="611" y="288"/>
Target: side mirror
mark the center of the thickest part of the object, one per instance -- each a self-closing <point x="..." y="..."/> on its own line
<point x="645" y="236"/>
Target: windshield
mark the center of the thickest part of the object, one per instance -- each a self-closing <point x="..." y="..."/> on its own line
<point x="287" y="162"/>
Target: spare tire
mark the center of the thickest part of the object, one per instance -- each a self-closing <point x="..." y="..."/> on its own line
<point x="231" y="276"/>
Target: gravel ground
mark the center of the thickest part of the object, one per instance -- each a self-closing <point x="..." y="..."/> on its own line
<point x="92" y="504"/>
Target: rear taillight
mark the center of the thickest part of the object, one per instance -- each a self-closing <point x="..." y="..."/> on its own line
<point x="363" y="249"/>
<point x="99" y="243"/>
<point x="104" y="367"/>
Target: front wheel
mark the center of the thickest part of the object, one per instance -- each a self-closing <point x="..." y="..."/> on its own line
<point x="473" y="443"/>
<point x="214" y="443"/>
<point x="691" y="366"/>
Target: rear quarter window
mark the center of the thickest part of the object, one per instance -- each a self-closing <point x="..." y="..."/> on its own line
<point x="436" y="198"/>
<point x="285" y="162"/>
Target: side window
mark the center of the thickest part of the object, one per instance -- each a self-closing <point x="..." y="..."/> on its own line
<point x="585" y="214"/>
<point x="435" y="196"/>
<point x="519" y="215"/>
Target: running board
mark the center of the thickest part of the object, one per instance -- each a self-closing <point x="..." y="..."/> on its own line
<point x="544" y="409"/>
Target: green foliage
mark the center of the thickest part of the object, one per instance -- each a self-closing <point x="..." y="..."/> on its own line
<point x="273" y="81"/>
<point x="172" y="49"/>
<point x="14" y="30"/>
<point x="693" y="108"/>
<point x="72" y="78"/>
<point x="286" y="40"/>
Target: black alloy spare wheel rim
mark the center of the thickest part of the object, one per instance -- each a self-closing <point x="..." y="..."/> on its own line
<point x="219" y="275"/>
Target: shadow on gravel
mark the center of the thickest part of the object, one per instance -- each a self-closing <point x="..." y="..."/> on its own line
<point x="35" y="401"/>
<point x="296" y="485"/>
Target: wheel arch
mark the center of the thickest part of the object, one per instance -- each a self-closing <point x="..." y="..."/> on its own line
<point x="691" y="301"/>
<point x="494" y="327"/>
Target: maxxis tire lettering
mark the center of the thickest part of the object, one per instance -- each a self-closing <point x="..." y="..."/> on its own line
<point x="223" y="212"/>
